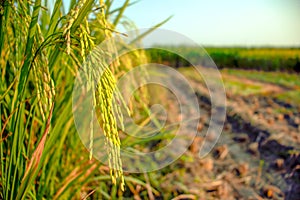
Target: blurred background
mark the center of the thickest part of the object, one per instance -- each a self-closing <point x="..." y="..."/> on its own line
<point x="255" y="45"/>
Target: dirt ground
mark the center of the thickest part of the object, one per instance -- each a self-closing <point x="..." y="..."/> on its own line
<point x="257" y="155"/>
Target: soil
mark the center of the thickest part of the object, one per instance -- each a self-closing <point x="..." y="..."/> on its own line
<point x="256" y="157"/>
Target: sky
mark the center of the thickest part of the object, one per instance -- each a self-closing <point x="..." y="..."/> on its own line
<point x="223" y="22"/>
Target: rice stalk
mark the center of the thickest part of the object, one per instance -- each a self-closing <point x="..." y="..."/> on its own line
<point x="105" y="97"/>
<point x="43" y="81"/>
<point x="72" y="16"/>
<point x="104" y="100"/>
<point x="31" y="44"/>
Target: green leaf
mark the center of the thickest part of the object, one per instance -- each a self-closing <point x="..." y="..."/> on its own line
<point x="28" y="52"/>
<point x="141" y="36"/>
<point x="120" y="14"/>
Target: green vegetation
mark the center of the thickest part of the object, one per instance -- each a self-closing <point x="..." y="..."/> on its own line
<point x="42" y="49"/>
<point x="265" y="59"/>
<point x="234" y="86"/>
<point x="288" y="80"/>
<point x="247" y="69"/>
<point x="245" y="82"/>
<point x="292" y="97"/>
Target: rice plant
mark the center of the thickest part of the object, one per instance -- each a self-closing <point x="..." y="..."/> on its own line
<point x="42" y="46"/>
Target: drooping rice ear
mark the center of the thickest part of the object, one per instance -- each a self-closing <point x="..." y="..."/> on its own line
<point x="43" y="81"/>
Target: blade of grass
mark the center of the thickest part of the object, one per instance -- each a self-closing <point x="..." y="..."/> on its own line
<point x="28" y="52"/>
<point x="117" y="9"/>
<point x="54" y="17"/>
<point x="120" y="13"/>
<point x="141" y="36"/>
<point x="83" y="13"/>
<point x="33" y="166"/>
